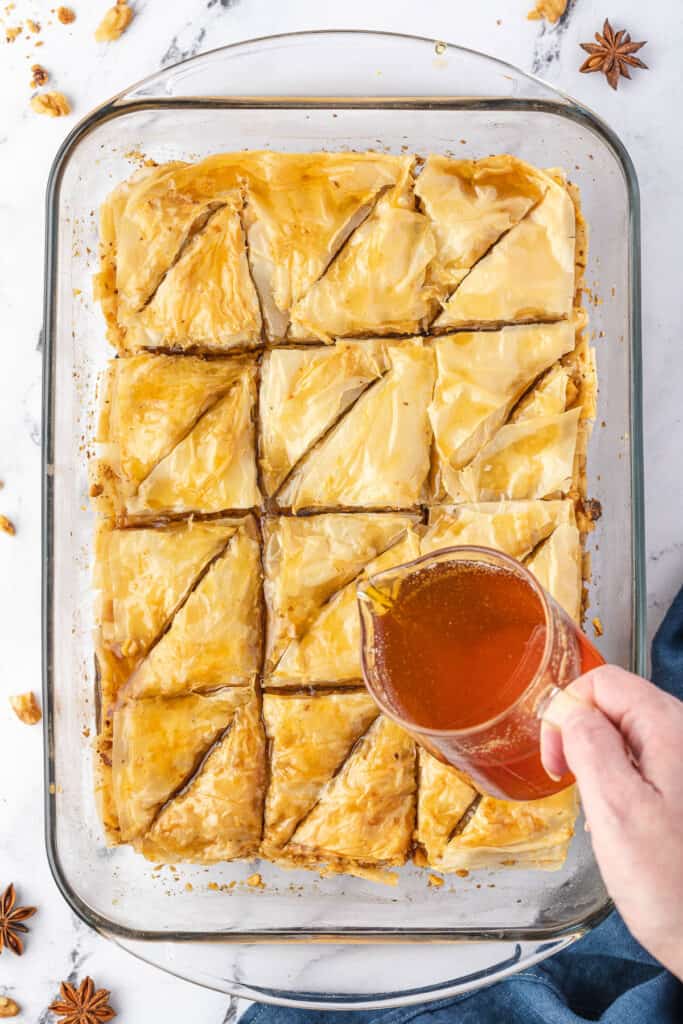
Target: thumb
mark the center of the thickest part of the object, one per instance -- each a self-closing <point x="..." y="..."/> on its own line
<point x="576" y="736"/>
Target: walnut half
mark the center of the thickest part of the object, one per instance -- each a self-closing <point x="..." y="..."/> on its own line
<point x="8" y="1008"/>
<point x="26" y="708"/>
<point x="114" y="23"/>
<point x="55" y="104"/>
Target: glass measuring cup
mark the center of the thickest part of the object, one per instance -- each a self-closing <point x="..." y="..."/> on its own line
<point x="500" y="754"/>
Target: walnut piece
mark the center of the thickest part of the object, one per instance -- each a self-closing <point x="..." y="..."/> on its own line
<point x="7" y="526"/>
<point x="26" y="708"/>
<point x="551" y="10"/>
<point x="114" y="23"/>
<point x="65" y="15"/>
<point x="55" y="104"/>
<point x="39" y="76"/>
<point x="8" y="1008"/>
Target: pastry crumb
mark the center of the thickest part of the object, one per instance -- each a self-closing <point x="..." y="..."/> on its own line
<point x="11" y="32"/>
<point x="462" y="873"/>
<point x="26" y="707"/>
<point x="435" y="881"/>
<point x="114" y="23"/>
<point x="189" y="887"/>
<point x="255" y="881"/>
<point x="7" y="526"/>
<point x="54" y="104"/>
<point x="33" y="26"/>
<point x="551" y="10"/>
<point x="213" y="886"/>
<point x="597" y="626"/>
<point x="39" y="76"/>
<point x="66" y="15"/>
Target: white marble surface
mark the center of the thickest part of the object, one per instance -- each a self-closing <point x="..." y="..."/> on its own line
<point x="644" y="112"/>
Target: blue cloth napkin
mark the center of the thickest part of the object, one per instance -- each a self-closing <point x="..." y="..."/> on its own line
<point x="606" y="976"/>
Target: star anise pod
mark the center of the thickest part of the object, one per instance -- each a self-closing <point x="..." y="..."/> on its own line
<point x="82" y="1005"/>
<point x="11" y="919"/>
<point x="612" y="53"/>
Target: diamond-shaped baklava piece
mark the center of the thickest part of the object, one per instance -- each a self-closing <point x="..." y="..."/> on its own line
<point x="309" y="564"/>
<point x="179" y="607"/>
<point x="214" y="638"/>
<point x="459" y="830"/>
<point x="301" y="209"/>
<point x="378" y="282"/>
<point x="206" y="299"/>
<point x="533" y="458"/>
<point x="218" y="815"/>
<point x="528" y="274"/>
<point x="309" y="739"/>
<point x="175" y="273"/>
<point x="377" y="455"/>
<point x="304" y="392"/>
<point x="471" y="204"/>
<point x="176" y="770"/>
<point x="177" y="435"/>
<point x="479" y="378"/>
<point x="342" y="783"/>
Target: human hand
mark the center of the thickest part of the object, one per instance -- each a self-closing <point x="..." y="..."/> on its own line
<point x="623" y="740"/>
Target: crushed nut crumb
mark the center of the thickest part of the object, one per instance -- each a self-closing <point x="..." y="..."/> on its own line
<point x="435" y="881"/>
<point x="597" y="626"/>
<point x="11" y="32"/>
<point x="8" y="1008"/>
<point x="40" y="76"/>
<point x="26" y="707"/>
<point x="7" y="526"/>
<point x="114" y="23"/>
<point x="55" y="104"/>
<point x="66" y="15"/>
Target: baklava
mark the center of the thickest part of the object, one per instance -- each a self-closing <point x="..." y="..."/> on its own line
<point x="327" y="365"/>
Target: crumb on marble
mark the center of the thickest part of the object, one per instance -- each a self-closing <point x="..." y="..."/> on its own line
<point x="255" y="881"/>
<point x="39" y="76"/>
<point x="597" y="626"/>
<point x="435" y="881"/>
<point x="7" y="526"/>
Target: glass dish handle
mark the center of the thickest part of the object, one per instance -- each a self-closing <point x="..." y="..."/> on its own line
<point x="440" y="69"/>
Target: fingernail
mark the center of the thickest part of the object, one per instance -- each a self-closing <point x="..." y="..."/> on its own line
<point x="560" y="707"/>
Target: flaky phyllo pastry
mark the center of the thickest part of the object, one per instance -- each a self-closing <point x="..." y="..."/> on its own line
<point x="328" y="365"/>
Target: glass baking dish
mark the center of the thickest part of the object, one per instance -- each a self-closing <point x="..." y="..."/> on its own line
<point x="309" y="91"/>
